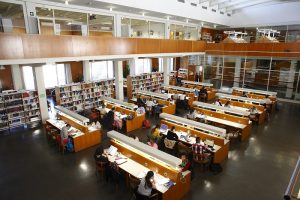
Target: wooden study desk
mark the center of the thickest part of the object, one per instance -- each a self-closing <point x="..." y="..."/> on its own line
<point x="226" y="114"/>
<point x="162" y="99"/>
<point x="247" y="103"/>
<point x="211" y="92"/>
<point x="182" y="126"/>
<point x="133" y="124"/>
<point x="141" y="158"/>
<point x="84" y="137"/>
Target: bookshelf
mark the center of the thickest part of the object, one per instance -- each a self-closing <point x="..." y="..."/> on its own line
<point x="148" y="81"/>
<point x="183" y="73"/>
<point x="18" y="108"/>
<point x="80" y="96"/>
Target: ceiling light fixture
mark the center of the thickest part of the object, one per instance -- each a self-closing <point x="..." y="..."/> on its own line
<point x="168" y="17"/>
<point x="187" y="20"/>
<point x="202" y="24"/>
<point x="143" y="14"/>
<point x="67" y="2"/>
<point x="110" y="9"/>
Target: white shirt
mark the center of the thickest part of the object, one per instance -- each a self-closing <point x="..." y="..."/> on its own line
<point x="182" y="97"/>
<point x="150" y="103"/>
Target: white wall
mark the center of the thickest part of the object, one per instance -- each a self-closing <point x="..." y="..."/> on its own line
<point x="279" y="14"/>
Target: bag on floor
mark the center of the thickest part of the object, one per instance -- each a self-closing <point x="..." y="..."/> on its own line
<point x="146" y="123"/>
<point x="69" y="146"/>
<point x="216" y="168"/>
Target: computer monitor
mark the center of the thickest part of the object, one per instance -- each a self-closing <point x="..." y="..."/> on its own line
<point x="209" y="143"/>
<point x="163" y="127"/>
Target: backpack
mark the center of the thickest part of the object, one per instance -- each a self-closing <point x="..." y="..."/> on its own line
<point x="146" y="123"/>
<point x="69" y="146"/>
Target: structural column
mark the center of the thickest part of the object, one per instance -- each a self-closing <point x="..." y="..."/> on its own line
<point x="167" y="30"/>
<point x="253" y="71"/>
<point x="132" y="64"/>
<point x="117" y="26"/>
<point x="40" y="86"/>
<point x="86" y="71"/>
<point x="166" y="70"/>
<point x="291" y="76"/>
<point x="237" y="70"/>
<point x="30" y="19"/>
<point x="17" y="77"/>
<point x="118" y="72"/>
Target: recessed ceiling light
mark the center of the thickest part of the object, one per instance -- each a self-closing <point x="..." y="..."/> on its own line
<point x="67" y="2"/>
<point x="143" y="13"/>
<point x="187" y="20"/>
<point x="110" y="9"/>
<point x="168" y="17"/>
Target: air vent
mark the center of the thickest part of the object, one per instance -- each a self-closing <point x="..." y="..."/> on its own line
<point x="229" y="15"/>
<point x="214" y="10"/>
<point x="181" y="1"/>
<point x="204" y="7"/>
<point x="194" y="4"/>
<point x="222" y="13"/>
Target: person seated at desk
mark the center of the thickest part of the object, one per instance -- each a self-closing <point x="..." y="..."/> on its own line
<point x="227" y="104"/>
<point x="140" y="110"/>
<point x="152" y="143"/>
<point x="102" y="111"/>
<point x="196" y="92"/>
<point x="183" y="101"/>
<point x="149" y="105"/>
<point x="203" y="94"/>
<point x="118" y="123"/>
<point x="109" y="119"/>
<point x="200" y="151"/>
<point x="192" y="114"/>
<point x="155" y="133"/>
<point x="186" y="164"/>
<point x="64" y="132"/>
<point x="171" y="135"/>
<point x="140" y="102"/>
<point x="218" y="103"/>
<point x="253" y="113"/>
<point x="146" y="185"/>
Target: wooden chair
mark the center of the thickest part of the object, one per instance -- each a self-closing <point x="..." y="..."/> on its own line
<point x="100" y="168"/>
<point x="170" y="146"/>
<point x="138" y="196"/>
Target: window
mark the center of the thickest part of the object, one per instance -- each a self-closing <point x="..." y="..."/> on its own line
<point x="28" y="78"/>
<point x="102" y="70"/>
<point x="143" y="66"/>
<point x="54" y="74"/>
<point x="161" y="64"/>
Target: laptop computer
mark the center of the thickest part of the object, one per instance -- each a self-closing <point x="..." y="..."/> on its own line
<point x="163" y="127"/>
<point x="209" y="143"/>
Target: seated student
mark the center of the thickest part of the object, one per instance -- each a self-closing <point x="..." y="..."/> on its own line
<point x="171" y="135"/>
<point x="227" y="104"/>
<point x="253" y="113"/>
<point x="218" y="103"/>
<point x="192" y="114"/>
<point x="150" y="104"/>
<point x="196" y="92"/>
<point x="146" y="185"/>
<point x="155" y="133"/>
<point x="140" y="110"/>
<point x="64" y="132"/>
<point x="109" y="119"/>
<point x="140" y="102"/>
<point x="152" y="143"/>
<point x="102" y="111"/>
<point x="200" y="151"/>
<point x="203" y="94"/>
<point x="186" y="164"/>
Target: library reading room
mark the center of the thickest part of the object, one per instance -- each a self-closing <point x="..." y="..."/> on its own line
<point x="157" y="100"/>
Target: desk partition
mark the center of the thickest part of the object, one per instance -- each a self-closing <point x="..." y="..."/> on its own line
<point x="261" y="92"/>
<point x="209" y="87"/>
<point x="243" y="99"/>
<point x="197" y="83"/>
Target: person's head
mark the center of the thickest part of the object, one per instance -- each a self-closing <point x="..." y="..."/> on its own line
<point x="113" y="109"/>
<point x="103" y="106"/>
<point x="152" y="141"/>
<point x="173" y="128"/>
<point x="183" y="157"/>
<point x="157" y="126"/>
<point x="198" y="140"/>
<point x="149" y="178"/>
<point x="68" y="125"/>
<point x="150" y="99"/>
<point x="191" y="111"/>
<point x="217" y="100"/>
<point x="227" y="103"/>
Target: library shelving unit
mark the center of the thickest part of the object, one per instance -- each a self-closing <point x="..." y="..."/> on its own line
<point x="18" y="108"/>
<point x="80" y="96"/>
<point x="183" y="73"/>
<point x="172" y="80"/>
<point x="147" y="81"/>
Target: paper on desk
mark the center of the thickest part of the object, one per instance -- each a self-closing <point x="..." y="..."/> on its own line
<point x="162" y="180"/>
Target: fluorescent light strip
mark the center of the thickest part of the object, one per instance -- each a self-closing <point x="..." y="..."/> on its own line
<point x="215" y="107"/>
<point x="161" y="156"/>
<point x="194" y="124"/>
<point x="72" y="114"/>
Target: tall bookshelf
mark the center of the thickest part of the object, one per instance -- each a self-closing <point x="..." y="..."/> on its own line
<point x="18" y="108"/>
<point x="81" y="96"/>
<point x="148" y="81"/>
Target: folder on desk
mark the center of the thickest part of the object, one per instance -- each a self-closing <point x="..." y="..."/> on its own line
<point x="169" y="184"/>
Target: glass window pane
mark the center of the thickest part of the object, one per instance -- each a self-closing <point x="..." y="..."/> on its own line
<point x="28" y="78"/>
<point x="157" y="30"/>
<point x="110" y="69"/>
<point x="11" y="18"/>
<point x="147" y="65"/>
<point x="139" y="28"/>
<point x="61" y="74"/>
<point x="100" y="25"/>
<point x="50" y="75"/>
<point x="98" y="70"/>
<point x="44" y="12"/>
<point x="125" y="27"/>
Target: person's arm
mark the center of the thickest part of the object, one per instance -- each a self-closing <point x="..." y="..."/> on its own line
<point x="186" y="167"/>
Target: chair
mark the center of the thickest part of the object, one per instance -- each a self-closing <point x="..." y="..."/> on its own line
<point x="139" y="196"/>
<point x="133" y="183"/>
<point x="169" y="145"/>
<point x="100" y="168"/>
<point x="149" y="109"/>
<point x="202" y="162"/>
<point x="61" y="144"/>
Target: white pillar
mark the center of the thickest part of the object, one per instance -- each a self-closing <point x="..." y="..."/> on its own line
<point x="30" y="19"/>
<point x="17" y="77"/>
<point x="40" y="86"/>
<point x="166" y="70"/>
<point x="132" y="64"/>
<point x="237" y="70"/>
<point x="86" y="71"/>
<point x="253" y="69"/>
<point x="7" y="25"/>
<point x="117" y="26"/>
<point x="291" y="76"/>
<point x="118" y="72"/>
<point x="167" y="30"/>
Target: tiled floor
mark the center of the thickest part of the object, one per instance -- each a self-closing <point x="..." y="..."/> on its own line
<point x="260" y="168"/>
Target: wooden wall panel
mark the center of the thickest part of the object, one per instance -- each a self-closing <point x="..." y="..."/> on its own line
<point x="184" y="46"/>
<point x="6" y="78"/>
<point x="11" y="46"/>
<point x="168" y="46"/>
<point x="198" y="46"/>
<point x="148" y="46"/>
<point x="76" y="71"/>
